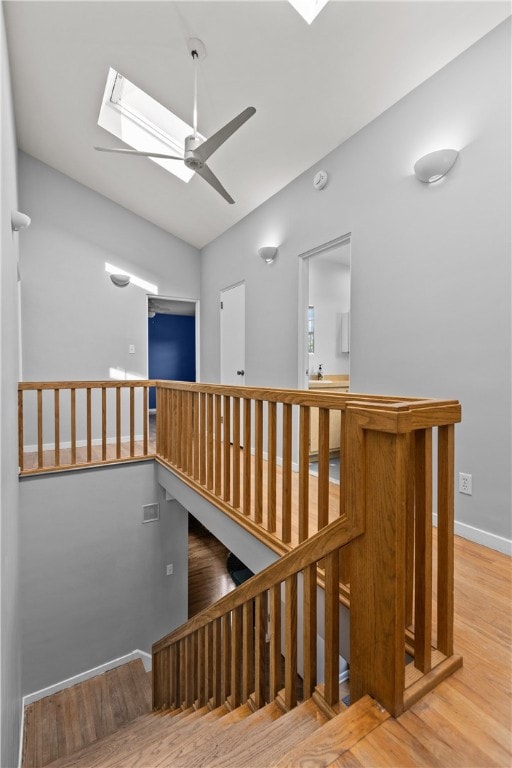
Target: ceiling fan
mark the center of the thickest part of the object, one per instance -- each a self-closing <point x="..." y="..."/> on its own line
<point x="197" y="151"/>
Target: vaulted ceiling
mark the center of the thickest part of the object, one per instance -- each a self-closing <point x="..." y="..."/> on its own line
<point x="312" y="87"/>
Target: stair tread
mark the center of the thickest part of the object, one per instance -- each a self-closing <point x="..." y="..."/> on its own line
<point x="259" y="749"/>
<point x="182" y="747"/>
<point x="337" y="736"/>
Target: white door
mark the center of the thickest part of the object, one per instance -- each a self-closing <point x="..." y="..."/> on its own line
<point x="232" y="335"/>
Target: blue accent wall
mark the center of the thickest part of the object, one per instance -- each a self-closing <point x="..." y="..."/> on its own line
<point x="171" y="349"/>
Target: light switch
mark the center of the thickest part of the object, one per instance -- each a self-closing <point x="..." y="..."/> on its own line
<point x="131" y="349"/>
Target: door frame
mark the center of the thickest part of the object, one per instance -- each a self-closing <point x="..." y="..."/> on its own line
<point x="303" y="356"/>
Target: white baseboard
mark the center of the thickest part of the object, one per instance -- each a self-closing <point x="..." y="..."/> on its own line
<point x="51" y="689"/>
<point x="81" y="443"/>
<point x="486" y="539"/>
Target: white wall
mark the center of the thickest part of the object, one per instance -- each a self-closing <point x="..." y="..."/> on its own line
<point x="430" y="267"/>
<point x="76" y="323"/>
<point x="10" y="632"/>
<point x="93" y="579"/>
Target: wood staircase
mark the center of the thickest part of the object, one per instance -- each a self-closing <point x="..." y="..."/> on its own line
<point x="190" y="738"/>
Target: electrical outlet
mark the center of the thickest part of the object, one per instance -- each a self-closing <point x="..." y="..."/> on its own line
<point x="465" y="483"/>
<point x="170" y="569"/>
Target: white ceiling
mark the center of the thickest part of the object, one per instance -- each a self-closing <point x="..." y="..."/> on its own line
<point x="312" y="86"/>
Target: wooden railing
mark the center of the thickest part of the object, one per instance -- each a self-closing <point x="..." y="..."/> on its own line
<point x="246" y="450"/>
<point x="387" y="458"/>
<point x="221" y="655"/>
<point x="71" y="424"/>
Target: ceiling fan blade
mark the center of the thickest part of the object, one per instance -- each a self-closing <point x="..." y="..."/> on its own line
<point x="136" y="152"/>
<point x="210" y="177"/>
<point x="209" y="146"/>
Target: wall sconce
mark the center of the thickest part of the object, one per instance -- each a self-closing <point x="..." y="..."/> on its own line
<point x="435" y="165"/>
<point x="120" y="280"/>
<point x="19" y="221"/>
<point x="268" y="253"/>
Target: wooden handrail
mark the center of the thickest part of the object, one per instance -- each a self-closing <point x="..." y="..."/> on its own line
<point x="76" y="450"/>
<point x="337" y="534"/>
<point x="238" y="624"/>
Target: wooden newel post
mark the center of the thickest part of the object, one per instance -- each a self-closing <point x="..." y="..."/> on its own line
<point x="377" y="497"/>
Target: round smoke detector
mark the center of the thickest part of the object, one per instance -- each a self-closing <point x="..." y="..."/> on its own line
<point x="320" y="179"/>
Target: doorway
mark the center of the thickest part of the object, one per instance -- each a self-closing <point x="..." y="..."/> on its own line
<point x="324" y="336"/>
<point x="173" y="341"/>
<point x="324" y="311"/>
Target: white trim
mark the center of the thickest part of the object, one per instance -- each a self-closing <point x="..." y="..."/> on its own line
<point x="486" y="539"/>
<point x="81" y="443"/>
<point x="70" y="681"/>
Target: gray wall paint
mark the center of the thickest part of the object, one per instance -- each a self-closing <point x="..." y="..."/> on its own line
<point x="76" y="323"/>
<point x="430" y="269"/>
<point x="10" y="632"/>
<point x="93" y="583"/>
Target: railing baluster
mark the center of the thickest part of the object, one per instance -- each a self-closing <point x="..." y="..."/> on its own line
<point x="226" y="433"/>
<point x="145" y="414"/>
<point x="226" y="657"/>
<point x="323" y="467"/>
<point x="209" y="661"/>
<point x="236" y="655"/>
<point x="247" y="457"/>
<point x="132" y="421"/>
<point x="40" y="428"/>
<point x="304" y="440"/>
<point x="56" y="421"/>
<point x="217" y="663"/>
<point x="423" y="553"/>
<point x="196" y="426"/>
<point x="332" y="632"/>
<point x="275" y="641"/>
<point x="103" y="423"/>
<point x="202" y="438"/>
<point x="286" y="507"/>
<point x="248" y="650"/>
<point x="89" y="424"/>
<point x="309" y="630"/>
<point x="118" y="422"/>
<point x="21" y="439"/>
<point x="271" y="466"/>
<point x="258" y="462"/>
<point x="209" y="437"/>
<point x="190" y="434"/>
<point x="73" y="425"/>
<point x="290" y="653"/>
<point x="201" y="668"/>
<point x="409" y="533"/>
<point x="236" y="452"/>
<point x="445" y="543"/>
<point x="218" y="445"/>
<point x="260" y="621"/>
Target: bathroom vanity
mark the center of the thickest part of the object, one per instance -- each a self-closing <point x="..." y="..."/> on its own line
<point x="331" y="384"/>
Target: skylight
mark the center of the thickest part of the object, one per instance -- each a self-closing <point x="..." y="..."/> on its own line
<point x="141" y="122"/>
<point x="308" y="9"/>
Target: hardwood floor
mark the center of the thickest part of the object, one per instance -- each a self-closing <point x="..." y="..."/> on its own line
<point x="466" y="721"/>
<point x="61" y="724"/>
<point x="208" y="578"/>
